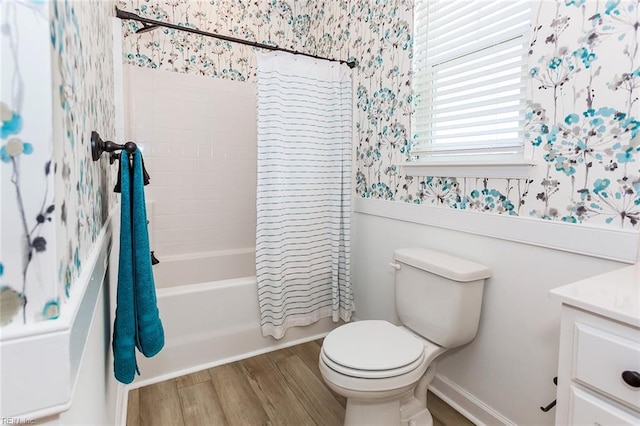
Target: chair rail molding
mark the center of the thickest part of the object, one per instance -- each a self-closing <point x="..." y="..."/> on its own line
<point x="612" y="244"/>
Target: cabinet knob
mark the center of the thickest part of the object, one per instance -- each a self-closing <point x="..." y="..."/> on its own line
<point x="632" y="378"/>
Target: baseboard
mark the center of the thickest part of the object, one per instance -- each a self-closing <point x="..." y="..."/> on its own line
<point x="466" y="404"/>
<point x="122" y="399"/>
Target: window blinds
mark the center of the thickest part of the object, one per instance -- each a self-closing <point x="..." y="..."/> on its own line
<point x="470" y="67"/>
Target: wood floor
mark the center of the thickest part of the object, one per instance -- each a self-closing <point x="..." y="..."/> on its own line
<point x="278" y="388"/>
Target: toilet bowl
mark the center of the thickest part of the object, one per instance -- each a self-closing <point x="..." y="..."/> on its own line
<point x="384" y="369"/>
<point x="377" y="366"/>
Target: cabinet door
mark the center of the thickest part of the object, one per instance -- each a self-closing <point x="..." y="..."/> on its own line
<point x="590" y="410"/>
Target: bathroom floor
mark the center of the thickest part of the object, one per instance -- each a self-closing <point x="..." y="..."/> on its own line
<point x="283" y="387"/>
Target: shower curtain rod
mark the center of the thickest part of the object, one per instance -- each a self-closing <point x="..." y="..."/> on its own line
<point x="150" y="24"/>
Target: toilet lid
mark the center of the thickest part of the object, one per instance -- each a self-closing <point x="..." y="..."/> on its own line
<point x="372" y="346"/>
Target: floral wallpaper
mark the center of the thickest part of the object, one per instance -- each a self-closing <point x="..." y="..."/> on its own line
<point x="582" y="118"/>
<point x="582" y="127"/>
<point x="27" y="246"/>
<point x="83" y="86"/>
<point x="376" y="35"/>
<point x="584" y="111"/>
<point x="45" y="150"/>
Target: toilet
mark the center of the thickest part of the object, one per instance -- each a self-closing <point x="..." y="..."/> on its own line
<point x="384" y="369"/>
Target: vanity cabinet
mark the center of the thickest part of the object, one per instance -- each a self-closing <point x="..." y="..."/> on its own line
<point x="599" y="360"/>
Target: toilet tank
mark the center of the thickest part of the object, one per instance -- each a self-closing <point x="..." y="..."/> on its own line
<point x="439" y="296"/>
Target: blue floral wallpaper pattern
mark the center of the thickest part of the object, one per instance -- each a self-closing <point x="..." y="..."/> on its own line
<point x="376" y="34"/>
<point x="82" y="49"/>
<point x="55" y="199"/>
<point x="582" y="118"/>
<point x="27" y="250"/>
<point x="584" y="112"/>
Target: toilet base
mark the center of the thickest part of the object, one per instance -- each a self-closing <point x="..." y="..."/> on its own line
<point x="373" y="413"/>
<point x="414" y="413"/>
<point x="404" y="406"/>
<point x="404" y="411"/>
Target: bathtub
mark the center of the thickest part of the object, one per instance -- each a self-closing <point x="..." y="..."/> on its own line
<point x="208" y="305"/>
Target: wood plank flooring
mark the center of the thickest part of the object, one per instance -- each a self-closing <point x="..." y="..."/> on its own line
<point x="283" y="387"/>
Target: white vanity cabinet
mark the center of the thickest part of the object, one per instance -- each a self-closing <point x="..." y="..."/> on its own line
<point x="599" y="362"/>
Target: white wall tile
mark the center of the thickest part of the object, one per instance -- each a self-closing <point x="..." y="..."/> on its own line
<point x="199" y="137"/>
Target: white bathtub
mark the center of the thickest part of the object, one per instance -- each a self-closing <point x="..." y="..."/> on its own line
<point x="209" y="309"/>
<point x="178" y="271"/>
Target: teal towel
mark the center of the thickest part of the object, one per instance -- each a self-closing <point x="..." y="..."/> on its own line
<point x="137" y="322"/>
<point x="124" y="327"/>
<point x="150" y="331"/>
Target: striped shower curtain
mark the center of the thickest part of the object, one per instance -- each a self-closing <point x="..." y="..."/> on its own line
<point x="304" y="191"/>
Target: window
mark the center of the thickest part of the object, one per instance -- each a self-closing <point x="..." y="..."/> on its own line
<point x="470" y="63"/>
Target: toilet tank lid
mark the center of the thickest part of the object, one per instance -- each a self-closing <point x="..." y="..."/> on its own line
<point x="445" y="265"/>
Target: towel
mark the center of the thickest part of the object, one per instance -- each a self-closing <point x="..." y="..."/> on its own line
<point x="137" y="322"/>
<point x="124" y="329"/>
<point x="118" y="186"/>
<point x="150" y="332"/>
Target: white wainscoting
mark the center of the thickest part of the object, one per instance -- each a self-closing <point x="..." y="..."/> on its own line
<point x="40" y="362"/>
<point x="607" y="243"/>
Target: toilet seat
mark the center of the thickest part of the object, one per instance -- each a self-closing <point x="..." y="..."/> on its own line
<point x="371" y="374"/>
<point x="372" y="350"/>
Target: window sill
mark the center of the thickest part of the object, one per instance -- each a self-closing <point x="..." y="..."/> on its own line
<point x="518" y="169"/>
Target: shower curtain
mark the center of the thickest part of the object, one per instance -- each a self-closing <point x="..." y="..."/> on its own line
<point x="303" y="191"/>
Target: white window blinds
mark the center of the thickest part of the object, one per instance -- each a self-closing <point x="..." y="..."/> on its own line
<point x="469" y="77"/>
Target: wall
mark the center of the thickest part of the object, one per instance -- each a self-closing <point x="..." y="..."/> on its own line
<point x="508" y="369"/>
<point x="55" y="198"/>
<point x="84" y="96"/>
<point x="583" y="114"/>
<point x="581" y="133"/>
<point x="28" y="243"/>
<point x="377" y="36"/>
<point x="199" y="141"/>
<point x="579" y="62"/>
<point x="582" y="80"/>
<point x="95" y="393"/>
<point x="582" y="127"/>
<point x="83" y="87"/>
<point x="58" y="212"/>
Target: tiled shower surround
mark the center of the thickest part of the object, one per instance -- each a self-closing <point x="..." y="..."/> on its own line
<point x="199" y="144"/>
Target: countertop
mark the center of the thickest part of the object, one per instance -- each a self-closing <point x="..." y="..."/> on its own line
<point x="614" y="294"/>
